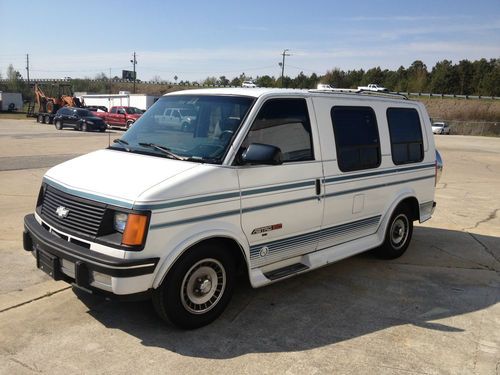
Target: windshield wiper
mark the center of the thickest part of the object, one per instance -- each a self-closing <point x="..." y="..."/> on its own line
<point x="163" y="149"/>
<point x="122" y="142"/>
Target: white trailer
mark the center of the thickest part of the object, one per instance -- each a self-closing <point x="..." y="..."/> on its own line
<point x="11" y="101"/>
<point x="141" y="101"/>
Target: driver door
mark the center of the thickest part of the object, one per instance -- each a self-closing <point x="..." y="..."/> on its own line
<point x="282" y="206"/>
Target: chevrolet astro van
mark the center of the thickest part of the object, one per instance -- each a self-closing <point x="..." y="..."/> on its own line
<point x="270" y="182"/>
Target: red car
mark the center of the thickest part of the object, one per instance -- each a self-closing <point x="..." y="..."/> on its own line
<point x="120" y="116"/>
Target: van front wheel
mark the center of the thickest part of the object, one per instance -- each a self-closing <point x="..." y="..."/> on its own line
<point x="198" y="287"/>
<point x="398" y="235"/>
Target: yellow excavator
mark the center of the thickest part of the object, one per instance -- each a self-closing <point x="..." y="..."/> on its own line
<point x="44" y="107"/>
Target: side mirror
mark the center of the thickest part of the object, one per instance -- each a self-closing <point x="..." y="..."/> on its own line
<point x="258" y="153"/>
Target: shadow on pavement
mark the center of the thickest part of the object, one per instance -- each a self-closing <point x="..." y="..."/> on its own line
<point x="443" y="274"/>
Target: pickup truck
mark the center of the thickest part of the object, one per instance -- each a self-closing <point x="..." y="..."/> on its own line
<point x="373" y="87"/>
<point x="120" y="116"/>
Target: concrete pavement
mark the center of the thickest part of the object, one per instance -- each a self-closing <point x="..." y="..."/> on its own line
<point x="436" y="310"/>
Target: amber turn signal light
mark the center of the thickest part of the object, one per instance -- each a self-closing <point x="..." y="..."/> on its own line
<point x="135" y="231"/>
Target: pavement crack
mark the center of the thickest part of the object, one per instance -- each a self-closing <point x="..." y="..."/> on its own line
<point x="485" y="248"/>
<point x="491" y="216"/>
<point x="35" y="299"/>
<point x="485" y="266"/>
<point x="34" y="369"/>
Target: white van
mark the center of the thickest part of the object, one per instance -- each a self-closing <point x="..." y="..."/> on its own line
<point x="273" y="182"/>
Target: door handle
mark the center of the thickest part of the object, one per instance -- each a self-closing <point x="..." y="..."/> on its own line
<point x="318" y="187"/>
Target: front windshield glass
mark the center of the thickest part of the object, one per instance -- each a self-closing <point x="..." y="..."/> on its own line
<point x="83" y="113"/>
<point x="133" y="110"/>
<point x="193" y="127"/>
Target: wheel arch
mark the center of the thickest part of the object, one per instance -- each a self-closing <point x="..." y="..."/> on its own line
<point x="407" y="197"/>
<point x="233" y="244"/>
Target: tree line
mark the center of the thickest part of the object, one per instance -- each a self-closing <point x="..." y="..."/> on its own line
<point x="479" y="77"/>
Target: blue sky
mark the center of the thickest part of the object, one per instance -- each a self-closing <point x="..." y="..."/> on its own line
<point x="195" y="39"/>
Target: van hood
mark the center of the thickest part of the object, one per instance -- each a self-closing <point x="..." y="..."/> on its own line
<point x="114" y="177"/>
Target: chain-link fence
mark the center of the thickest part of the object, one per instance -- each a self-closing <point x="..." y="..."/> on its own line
<point x="484" y="128"/>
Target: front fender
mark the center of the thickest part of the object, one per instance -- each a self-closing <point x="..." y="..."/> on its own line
<point x="192" y="239"/>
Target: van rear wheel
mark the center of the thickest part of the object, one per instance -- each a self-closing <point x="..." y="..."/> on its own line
<point x="198" y="288"/>
<point x="398" y="235"/>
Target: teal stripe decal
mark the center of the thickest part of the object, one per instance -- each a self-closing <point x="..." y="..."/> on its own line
<point x="271" y="205"/>
<point x="278" y="188"/>
<point x="195" y="219"/>
<point x="376" y="186"/>
<point x="378" y="173"/>
<point x="94" y="197"/>
<point x="186" y="202"/>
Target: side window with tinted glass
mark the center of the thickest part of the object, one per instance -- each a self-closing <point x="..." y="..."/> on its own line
<point x="284" y="123"/>
<point x="356" y="138"/>
<point x="406" y="135"/>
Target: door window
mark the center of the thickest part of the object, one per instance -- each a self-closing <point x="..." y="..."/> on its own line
<point x="284" y="123"/>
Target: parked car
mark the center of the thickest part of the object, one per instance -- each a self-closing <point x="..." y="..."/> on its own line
<point x="248" y="84"/>
<point x="177" y="118"/>
<point x="120" y="116"/>
<point x="79" y="119"/>
<point x="373" y="87"/>
<point x="440" y="128"/>
<point x="324" y="86"/>
<point x="272" y="183"/>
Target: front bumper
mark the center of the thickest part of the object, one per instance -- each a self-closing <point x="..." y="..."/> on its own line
<point x="85" y="268"/>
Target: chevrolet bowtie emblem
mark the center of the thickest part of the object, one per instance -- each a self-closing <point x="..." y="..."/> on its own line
<point x="62" y="212"/>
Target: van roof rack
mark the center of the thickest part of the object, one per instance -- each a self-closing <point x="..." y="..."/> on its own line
<point x="362" y="92"/>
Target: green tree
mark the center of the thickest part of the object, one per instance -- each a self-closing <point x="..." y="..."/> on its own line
<point x="210" y="81"/>
<point x="223" y="81"/>
<point x="465" y="71"/>
<point x="266" y="81"/>
<point x="417" y="76"/>
<point x="444" y="78"/>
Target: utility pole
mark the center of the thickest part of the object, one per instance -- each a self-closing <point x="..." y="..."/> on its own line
<point x="110" y="80"/>
<point x="134" y="62"/>
<point x="283" y="65"/>
<point x="28" y="68"/>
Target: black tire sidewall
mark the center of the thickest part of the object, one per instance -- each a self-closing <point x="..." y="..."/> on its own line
<point x="167" y="297"/>
<point x="58" y="124"/>
<point x="387" y="250"/>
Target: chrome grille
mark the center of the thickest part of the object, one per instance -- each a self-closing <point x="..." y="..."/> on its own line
<point x="84" y="216"/>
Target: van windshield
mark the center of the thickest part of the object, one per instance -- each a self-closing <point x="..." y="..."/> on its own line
<point x="193" y="127"/>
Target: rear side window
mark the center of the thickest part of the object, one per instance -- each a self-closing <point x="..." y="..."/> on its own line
<point x="356" y="138"/>
<point x="406" y="135"/>
<point x="284" y="123"/>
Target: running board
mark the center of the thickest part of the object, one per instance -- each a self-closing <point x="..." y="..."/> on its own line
<point x="286" y="271"/>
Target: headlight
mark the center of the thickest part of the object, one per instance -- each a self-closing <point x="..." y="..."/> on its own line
<point x="120" y="221"/>
<point x="132" y="226"/>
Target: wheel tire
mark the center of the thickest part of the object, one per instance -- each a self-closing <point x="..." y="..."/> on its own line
<point x="39" y="119"/>
<point x="180" y="299"/>
<point x="102" y="130"/>
<point x="58" y="124"/>
<point x="48" y="120"/>
<point x="83" y="128"/>
<point x="398" y="235"/>
<point x="185" y="127"/>
<point x="129" y="124"/>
